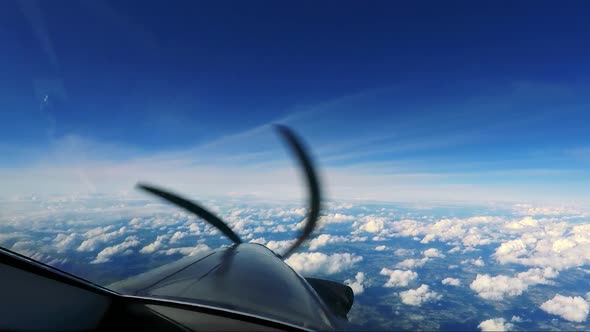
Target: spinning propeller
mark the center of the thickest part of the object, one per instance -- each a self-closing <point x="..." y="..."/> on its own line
<point x="296" y="147"/>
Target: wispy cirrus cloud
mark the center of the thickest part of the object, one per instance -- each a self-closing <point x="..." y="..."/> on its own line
<point x="405" y="165"/>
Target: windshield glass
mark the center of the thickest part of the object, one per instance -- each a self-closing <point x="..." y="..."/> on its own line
<point x="451" y="139"/>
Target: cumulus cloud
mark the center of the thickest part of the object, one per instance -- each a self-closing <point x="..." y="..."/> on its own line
<point x="403" y="252"/>
<point x="433" y="253"/>
<point x="315" y="262"/>
<point x="357" y="284"/>
<point x="416" y="297"/>
<point x="495" y="324"/>
<point x="471" y="232"/>
<point x="356" y="238"/>
<point x="64" y="242"/>
<point x="282" y="228"/>
<point x="526" y="222"/>
<point x="194" y="229"/>
<point x="187" y="251"/>
<point x="98" y="238"/>
<point x="154" y="246"/>
<point x="380" y="248"/>
<point x="177" y="236"/>
<point x="279" y="246"/>
<point x="477" y="262"/>
<point x="476" y="237"/>
<point x="501" y="286"/>
<point x="99" y="230"/>
<point x="573" y="309"/>
<point x="398" y="278"/>
<point x="454" y="250"/>
<point x="108" y="252"/>
<point x="335" y="218"/>
<point x="411" y="263"/>
<point x="323" y="240"/>
<point x="4" y="237"/>
<point x="451" y="281"/>
<point x="259" y="240"/>
<point x="553" y="243"/>
<point x="370" y="224"/>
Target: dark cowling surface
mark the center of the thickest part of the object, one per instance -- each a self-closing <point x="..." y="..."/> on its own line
<point x="246" y="277"/>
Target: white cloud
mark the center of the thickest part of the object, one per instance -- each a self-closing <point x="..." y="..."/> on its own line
<point x="398" y="278"/>
<point x="411" y="263"/>
<point x="380" y="248"/>
<point x="279" y="247"/>
<point x="108" y="252"/>
<point x="433" y="253"/>
<point x="416" y="297"/>
<point x="526" y="222"/>
<point x="370" y="224"/>
<point x="194" y="229"/>
<point x="358" y="284"/>
<point x="282" y="228"/>
<point x="498" y="287"/>
<point x="471" y="231"/>
<point x="187" y="251"/>
<point x="454" y="249"/>
<point x="315" y="262"/>
<point x="573" y="309"/>
<point x="403" y="252"/>
<point x="259" y="240"/>
<point x="336" y="218"/>
<point x="9" y="236"/>
<point x="451" y="281"/>
<point x="495" y="324"/>
<point x="65" y="241"/>
<point x="97" y="239"/>
<point x="356" y="238"/>
<point x="24" y="247"/>
<point x="553" y="243"/>
<point x="177" y="236"/>
<point x="323" y="240"/>
<point x="154" y="246"/>
<point x="516" y="319"/>
<point x="477" y="262"/>
<point x="530" y="210"/>
<point x="97" y="231"/>
<point x="476" y="237"/>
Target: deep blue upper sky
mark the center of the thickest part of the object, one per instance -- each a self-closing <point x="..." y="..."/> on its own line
<point x="158" y="76"/>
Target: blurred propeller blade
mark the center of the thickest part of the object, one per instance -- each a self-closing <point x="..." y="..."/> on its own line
<point x="296" y="146"/>
<point x="194" y="208"/>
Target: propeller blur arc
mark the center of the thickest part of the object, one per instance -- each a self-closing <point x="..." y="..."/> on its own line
<point x="296" y="146"/>
<point x="194" y="208"/>
<point x="304" y="159"/>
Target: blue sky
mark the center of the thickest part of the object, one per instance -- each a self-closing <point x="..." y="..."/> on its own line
<point x="418" y="101"/>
